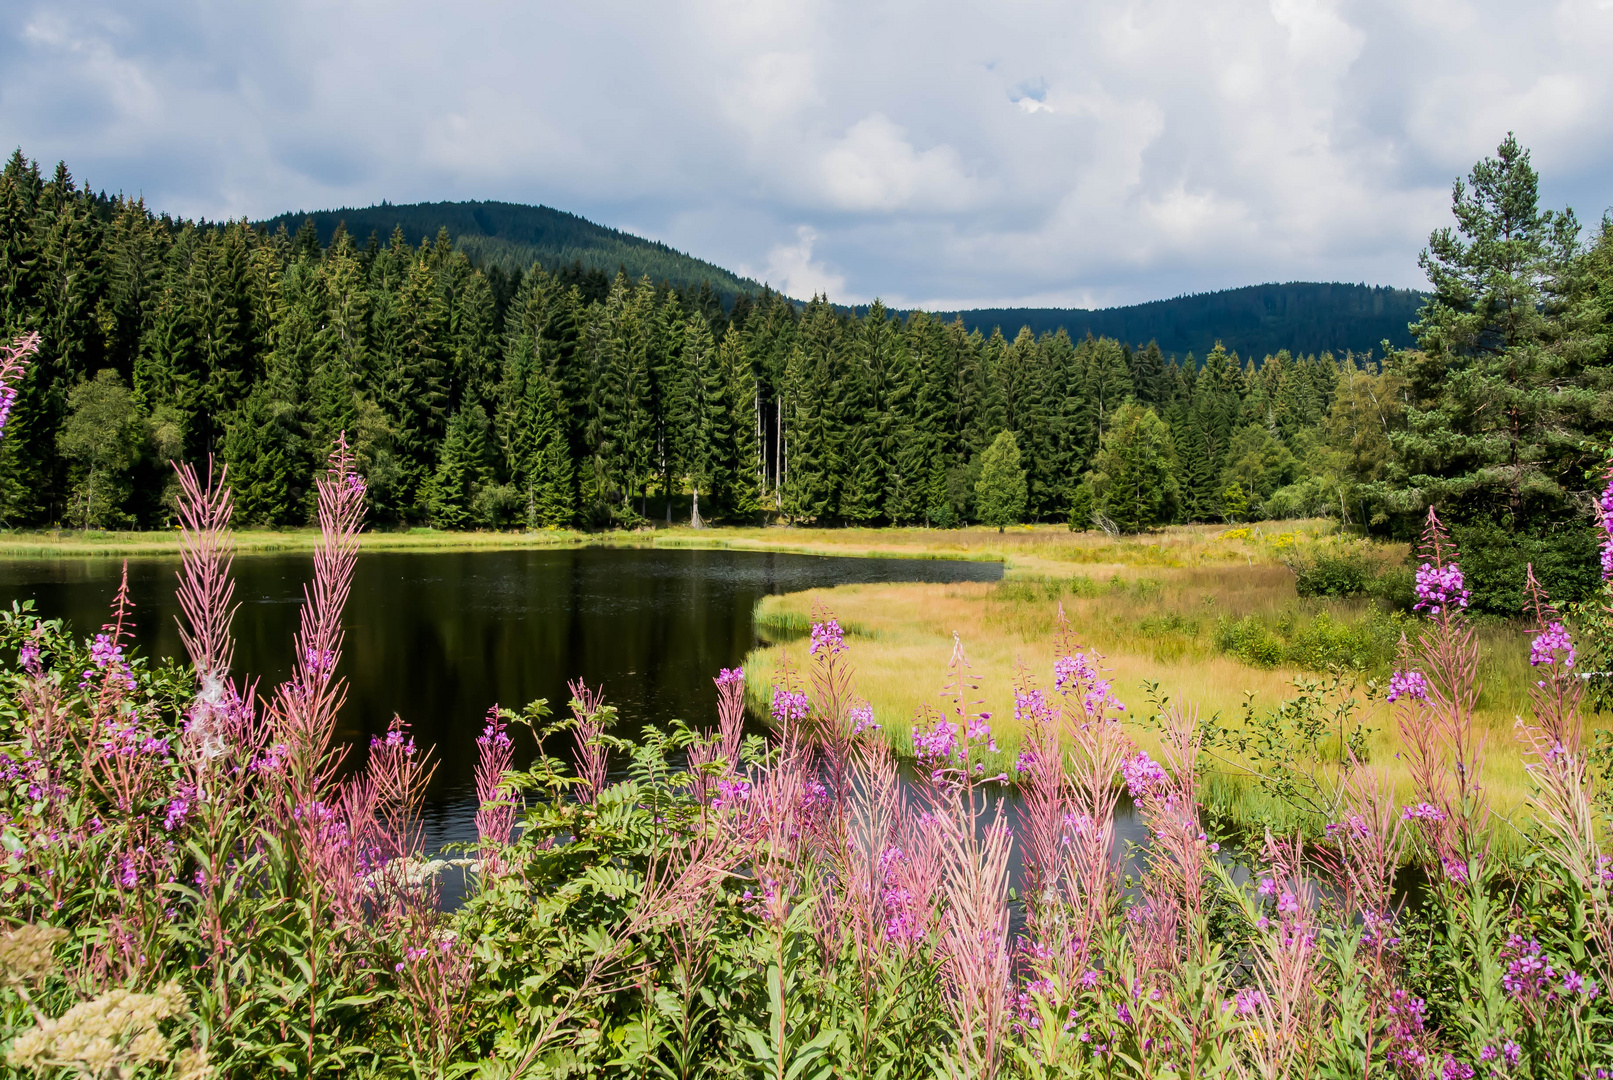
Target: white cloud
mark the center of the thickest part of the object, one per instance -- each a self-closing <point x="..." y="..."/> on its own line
<point x="790" y="269"/>
<point x="875" y="168"/>
<point x="1153" y="146"/>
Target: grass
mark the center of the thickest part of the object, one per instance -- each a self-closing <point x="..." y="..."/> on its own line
<point x="70" y="543"/>
<point x="1161" y="608"/>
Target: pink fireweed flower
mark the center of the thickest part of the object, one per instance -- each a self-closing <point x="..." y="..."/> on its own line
<point x="179" y="807"/>
<point x="1078" y="674"/>
<point x="1143" y="775"/>
<point x="730" y="677"/>
<point x="790" y="705"/>
<point x="1031" y="707"/>
<point x="1248" y="1002"/>
<point x="1547" y="644"/>
<point x="28" y="658"/>
<point x="1439" y="587"/>
<point x="1528" y="971"/>
<point x="394" y="737"/>
<point x="14" y="359"/>
<point x="1605" y="516"/>
<point x="105" y="651"/>
<point x="828" y="638"/>
<point x="980" y="731"/>
<point x="862" y="718"/>
<point x="493" y="735"/>
<point x="1354" y="824"/>
<point x="1409" y="684"/>
<point x="1422" y="812"/>
<point x="1575" y="983"/>
<point x="939" y="744"/>
<point x="731" y="792"/>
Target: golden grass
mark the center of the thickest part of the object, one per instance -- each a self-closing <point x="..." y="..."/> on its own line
<point x="68" y="543"/>
<point x="1149" y="604"/>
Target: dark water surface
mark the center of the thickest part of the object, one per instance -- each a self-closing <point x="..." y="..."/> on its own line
<point x="437" y="637"/>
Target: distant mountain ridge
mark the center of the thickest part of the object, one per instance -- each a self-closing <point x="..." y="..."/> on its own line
<point x="1255" y="320"/>
<point x="515" y="235"/>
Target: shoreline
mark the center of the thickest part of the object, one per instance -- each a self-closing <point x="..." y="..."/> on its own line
<point x="1036" y="551"/>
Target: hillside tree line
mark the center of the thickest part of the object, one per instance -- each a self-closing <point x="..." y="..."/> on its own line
<point x="481" y="398"/>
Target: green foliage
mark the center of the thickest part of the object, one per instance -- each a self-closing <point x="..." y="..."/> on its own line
<point x="103" y="437"/>
<point x="1337" y="574"/>
<point x="1000" y="491"/>
<point x="1494" y="559"/>
<point x="1133" y="480"/>
<point x="1317" y="643"/>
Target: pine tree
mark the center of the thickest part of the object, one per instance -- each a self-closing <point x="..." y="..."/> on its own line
<point x="461" y="470"/>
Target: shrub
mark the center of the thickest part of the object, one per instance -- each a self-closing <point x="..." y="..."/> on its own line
<point x="1494" y="558"/>
<point x="1336" y="574"/>
<point x="1249" y="640"/>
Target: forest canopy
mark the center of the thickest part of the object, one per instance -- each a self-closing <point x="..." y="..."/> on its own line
<point x="477" y="396"/>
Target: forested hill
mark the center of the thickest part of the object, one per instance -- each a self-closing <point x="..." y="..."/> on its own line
<point x="513" y="236"/>
<point x="1301" y="316"/>
<point x="1257" y="320"/>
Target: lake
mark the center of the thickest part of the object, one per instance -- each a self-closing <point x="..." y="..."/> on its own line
<point x="438" y="637"/>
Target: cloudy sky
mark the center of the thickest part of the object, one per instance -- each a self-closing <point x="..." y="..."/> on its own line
<point x="940" y="154"/>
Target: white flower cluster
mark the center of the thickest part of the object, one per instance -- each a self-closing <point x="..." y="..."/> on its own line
<point x="110" y="1036"/>
<point x="27" y="954"/>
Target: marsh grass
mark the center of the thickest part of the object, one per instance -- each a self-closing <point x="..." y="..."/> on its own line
<point x="1178" y="609"/>
<point x="66" y="543"/>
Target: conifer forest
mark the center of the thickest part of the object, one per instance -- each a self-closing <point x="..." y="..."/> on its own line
<point x="474" y="398"/>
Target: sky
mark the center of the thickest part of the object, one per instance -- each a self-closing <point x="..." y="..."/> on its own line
<point x="942" y="155"/>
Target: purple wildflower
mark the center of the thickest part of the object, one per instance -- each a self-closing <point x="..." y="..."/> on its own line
<point x="1248" y="1001"/>
<point x="28" y="658"/>
<point x="730" y="677"/>
<point x="104" y="651"/>
<point x="937" y="745"/>
<point x="1408" y="684"/>
<point x="1605" y="508"/>
<point x="1422" y="812"/>
<point x="179" y="807"/>
<point x="1143" y="775"/>
<point x="1548" y="643"/>
<point x="862" y="718"/>
<point x="1440" y="587"/>
<point x="731" y="792"/>
<point x="1528" y="970"/>
<point x="790" y="705"/>
<point x="828" y="638"/>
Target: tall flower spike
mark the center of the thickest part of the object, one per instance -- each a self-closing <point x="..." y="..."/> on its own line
<point x="205" y="588"/>
<point x="1604" y="508"/>
<point x="305" y="706"/>
<point x="14" y="360"/>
